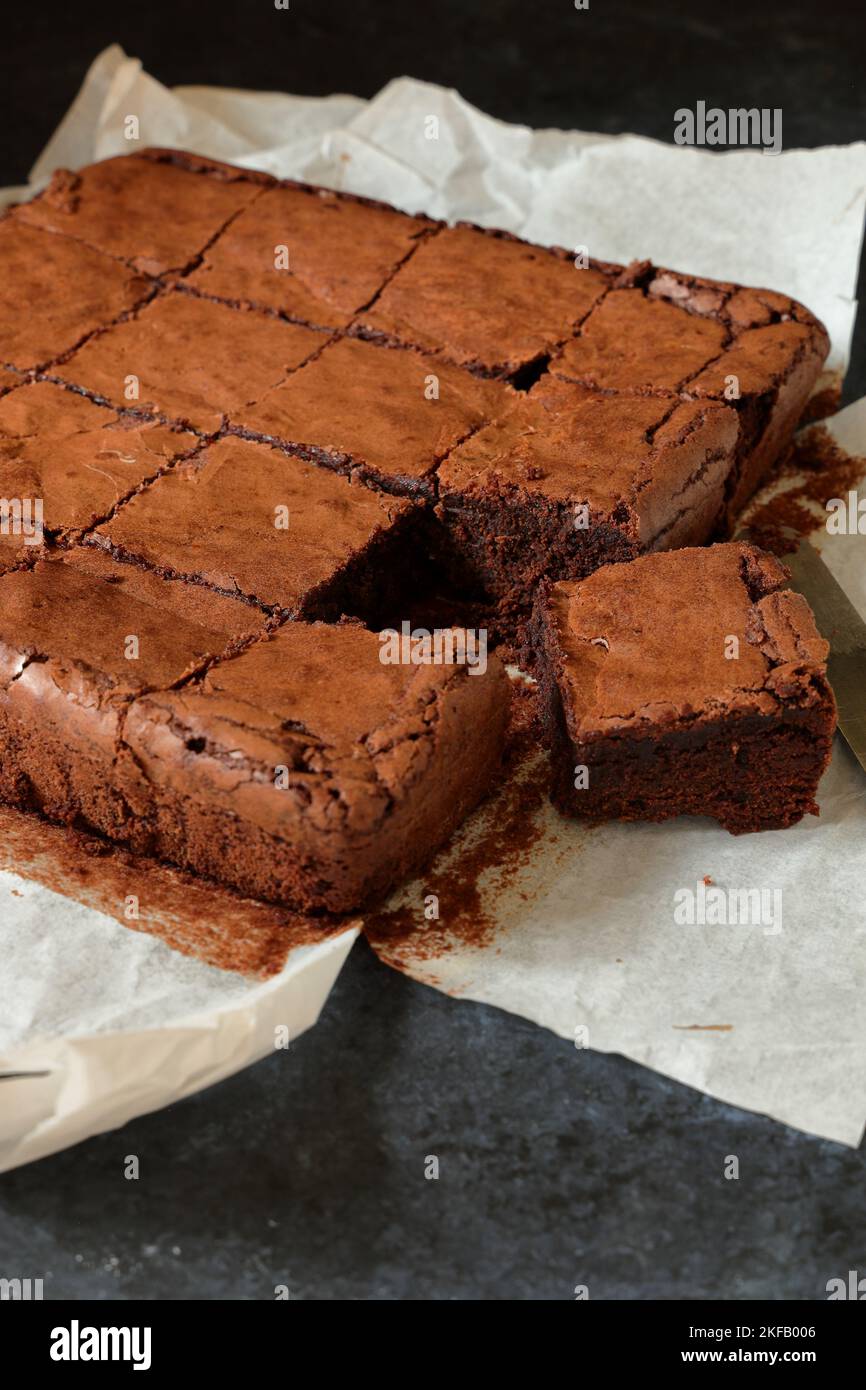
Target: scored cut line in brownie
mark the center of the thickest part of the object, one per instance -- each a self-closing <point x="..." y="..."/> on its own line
<point x="691" y="682"/>
<point x="181" y="752"/>
<point x="55" y="292"/>
<point x="645" y="442"/>
<point x="484" y="301"/>
<point x="77" y="460"/>
<point x="308" y="254"/>
<point x="79" y="637"/>
<point x="571" y="479"/>
<point x="154" y="215"/>
<point x="192" y="361"/>
<point x="390" y="414"/>
<point x="248" y="520"/>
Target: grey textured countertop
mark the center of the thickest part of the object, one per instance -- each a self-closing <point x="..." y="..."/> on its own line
<point x="557" y="1167"/>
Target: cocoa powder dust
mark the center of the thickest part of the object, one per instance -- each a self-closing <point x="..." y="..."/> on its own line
<point x="482" y="861"/>
<point x="819" y="470"/>
<point x="189" y="914"/>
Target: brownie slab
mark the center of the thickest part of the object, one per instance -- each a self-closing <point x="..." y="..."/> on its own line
<point x="309" y="254"/>
<point x="194" y="361"/>
<point x="73" y="459"/>
<point x="54" y="292"/>
<point x="570" y="479"/>
<point x="151" y="213"/>
<point x="686" y="683"/>
<point x="253" y="522"/>
<point x="79" y="637"/>
<point x="390" y="415"/>
<point x="307" y="772"/>
<point x="484" y="301"/>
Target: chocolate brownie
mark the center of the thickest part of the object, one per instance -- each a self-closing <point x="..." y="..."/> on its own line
<point x="54" y="292"/>
<point x="77" y="642"/>
<point x="250" y="521"/>
<point x="484" y="301"/>
<point x="388" y="414"/>
<point x="759" y="351"/>
<point x="570" y="479"/>
<point x="303" y="770"/>
<point x="687" y="683"/>
<point x="189" y="360"/>
<point x="308" y="254"/>
<point x="308" y="772"/>
<point x="636" y="342"/>
<point x="152" y="214"/>
<point x="70" y="463"/>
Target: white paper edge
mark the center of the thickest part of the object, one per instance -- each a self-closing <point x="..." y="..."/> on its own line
<point x="96" y="1082"/>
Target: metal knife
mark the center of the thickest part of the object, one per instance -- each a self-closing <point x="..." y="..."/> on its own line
<point x="840" y="623"/>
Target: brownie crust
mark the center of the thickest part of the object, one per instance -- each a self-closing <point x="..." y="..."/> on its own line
<point x="689" y="683"/>
<point x="292" y="765"/>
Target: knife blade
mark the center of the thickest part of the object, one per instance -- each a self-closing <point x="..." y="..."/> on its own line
<point x="840" y="623"/>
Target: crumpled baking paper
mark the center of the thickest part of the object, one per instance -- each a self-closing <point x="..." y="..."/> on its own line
<point x="595" y="950"/>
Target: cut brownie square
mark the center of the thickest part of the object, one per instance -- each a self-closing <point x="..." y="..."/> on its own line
<point x="251" y="521"/>
<point x="65" y="463"/>
<point x="635" y="342"/>
<point x="152" y="214"/>
<point x="570" y="479"/>
<point x="79" y="636"/>
<point x="308" y="772"/>
<point x="759" y="351"/>
<point x="389" y="414"/>
<point x="309" y="254"/>
<point x="689" y="683"/>
<point x="484" y="300"/>
<point x="189" y="360"/>
<point x="54" y="292"/>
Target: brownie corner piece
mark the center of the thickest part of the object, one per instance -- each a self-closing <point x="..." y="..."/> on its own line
<point x="156" y="213"/>
<point x="309" y="771"/>
<point x="691" y="682"/>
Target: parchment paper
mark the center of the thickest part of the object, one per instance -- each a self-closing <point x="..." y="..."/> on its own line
<point x="791" y="222"/>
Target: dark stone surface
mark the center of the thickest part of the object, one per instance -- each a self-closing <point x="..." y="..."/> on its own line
<point x="557" y="1167"/>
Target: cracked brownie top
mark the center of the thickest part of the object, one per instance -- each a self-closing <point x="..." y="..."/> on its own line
<point x="695" y="634"/>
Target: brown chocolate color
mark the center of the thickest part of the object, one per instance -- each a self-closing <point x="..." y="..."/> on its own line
<point x="389" y="414"/>
<point x="340" y="252"/>
<point x="176" y="753"/>
<point x="195" y="361"/>
<point x="69" y="667"/>
<point x="496" y="383"/>
<point x="80" y="460"/>
<point x="651" y="473"/>
<point x="152" y="214"/>
<point x="484" y="301"/>
<point x="639" y="686"/>
<point x="190" y="914"/>
<point x="54" y="292"/>
<point x="383" y="762"/>
<point x="212" y="520"/>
